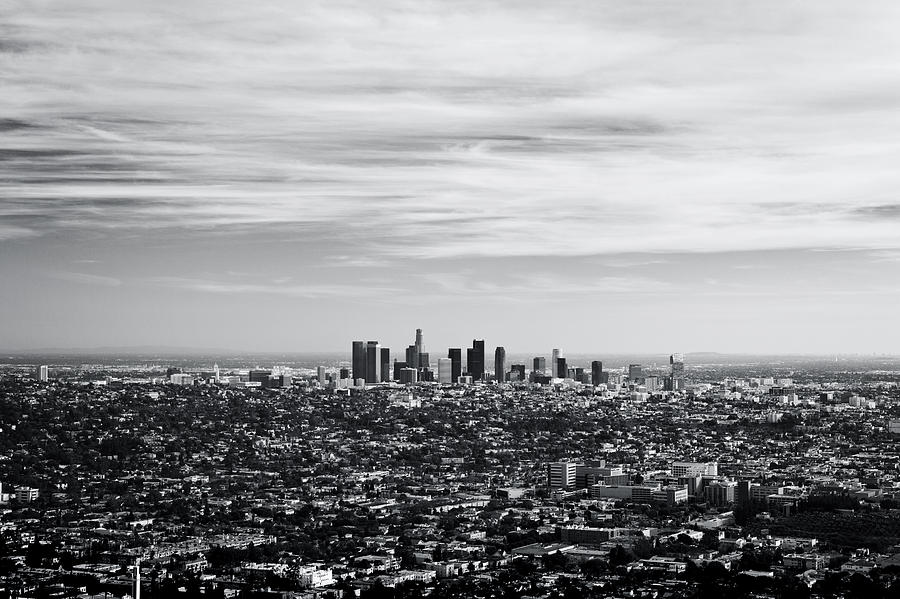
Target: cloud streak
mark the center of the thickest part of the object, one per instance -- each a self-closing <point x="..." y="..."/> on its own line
<point x="457" y="129"/>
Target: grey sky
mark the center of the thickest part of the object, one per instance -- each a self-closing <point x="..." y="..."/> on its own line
<point x="601" y="176"/>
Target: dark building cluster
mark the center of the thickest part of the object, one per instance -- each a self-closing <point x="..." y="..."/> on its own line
<point x="372" y="364"/>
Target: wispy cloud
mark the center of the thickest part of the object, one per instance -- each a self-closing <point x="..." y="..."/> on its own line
<point x="300" y="290"/>
<point x="494" y="129"/>
<point x="87" y="279"/>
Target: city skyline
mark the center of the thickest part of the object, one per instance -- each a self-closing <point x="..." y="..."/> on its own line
<point x="707" y="176"/>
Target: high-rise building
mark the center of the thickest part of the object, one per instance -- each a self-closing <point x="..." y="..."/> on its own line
<point x="216" y="372"/>
<point x="517" y="372"/>
<point x="412" y="357"/>
<point x="539" y="365"/>
<point x="373" y="366"/>
<point x="475" y="360"/>
<point x="345" y="373"/>
<point x="562" y="369"/>
<point x="320" y="374"/>
<point x="554" y="360"/>
<point x="398" y="367"/>
<point x="42" y="373"/>
<point x="424" y="361"/>
<point x="561" y="475"/>
<point x="358" y="361"/>
<point x="445" y="370"/>
<point x="409" y="376"/>
<point x="500" y="364"/>
<point x="596" y="372"/>
<point x="676" y="380"/>
<point x="455" y="355"/>
<point x="385" y="364"/>
<point x="420" y="347"/>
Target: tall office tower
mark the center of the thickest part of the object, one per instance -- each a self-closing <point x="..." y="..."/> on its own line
<point x="500" y="364"/>
<point x="345" y="373"/>
<point x="216" y="372"/>
<point x="596" y="372"/>
<point x="475" y="359"/>
<point x="445" y="370"/>
<point x="676" y="382"/>
<point x="554" y="360"/>
<point x="424" y="361"/>
<point x="412" y="357"/>
<point x="455" y="355"/>
<point x="385" y="364"/>
<point x="539" y="365"/>
<point x="517" y="372"/>
<point x="635" y="372"/>
<point x="420" y="347"/>
<point x="562" y="370"/>
<point x="373" y="367"/>
<point x="561" y="475"/>
<point x="358" y="362"/>
<point x="320" y="375"/>
<point x="409" y="376"/>
<point x="398" y="366"/>
<point x="42" y="373"/>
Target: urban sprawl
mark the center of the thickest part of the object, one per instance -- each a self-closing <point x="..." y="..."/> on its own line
<point x="446" y="478"/>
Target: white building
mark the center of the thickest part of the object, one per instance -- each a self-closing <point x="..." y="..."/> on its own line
<point x="561" y="475"/>
<point x="695" y="468"/>
<point x="26" y="494"/>
<point x="314" y="576"/>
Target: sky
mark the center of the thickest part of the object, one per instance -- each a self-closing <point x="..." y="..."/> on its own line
<point x="598" y="176"/>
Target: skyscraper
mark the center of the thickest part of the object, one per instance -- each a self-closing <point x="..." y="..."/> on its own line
<point x="475" y="360"/>
<point x="42" y="373"/>
<point x="500" y="364"/>
<point x="596" y="372"/>
<point x="320" y="374"/>
<point x="420" y="347"/>
<point x="216" y="372"/>
<point x="539" y="365"/>
<point x="455" y="356"/>
<point x="562" y="369"/>
<point x="676" y="380"/>
<point x="373" y="366"/>
<point x="412" y="357"/>
<point x="385" y="364"/>
<point x="554" y="360"/>
<point x="358" y="361"/>
<point x="445" y="370"/>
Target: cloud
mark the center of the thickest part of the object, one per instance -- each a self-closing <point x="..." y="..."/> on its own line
<point x="879" y="212"/>
<point x="87" y="279"/>
<point x="437" y="130"/>
<point x="273" y="287"/>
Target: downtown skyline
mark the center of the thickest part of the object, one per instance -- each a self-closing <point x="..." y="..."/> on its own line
<point x="588" y="175"/>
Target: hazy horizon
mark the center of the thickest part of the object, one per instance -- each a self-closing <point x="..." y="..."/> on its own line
<point x="591" y="175"/>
